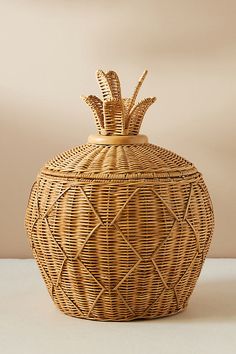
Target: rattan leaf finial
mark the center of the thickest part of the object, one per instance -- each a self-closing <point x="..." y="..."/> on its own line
<point x="115" y="115"/>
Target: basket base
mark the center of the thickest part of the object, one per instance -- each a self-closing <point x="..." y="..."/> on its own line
<point x="125" y="319"/>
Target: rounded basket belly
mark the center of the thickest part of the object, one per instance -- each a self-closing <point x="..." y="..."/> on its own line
<point x="119" y="250"/>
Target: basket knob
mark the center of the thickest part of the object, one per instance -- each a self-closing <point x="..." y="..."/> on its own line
<point x="117" y="139"/>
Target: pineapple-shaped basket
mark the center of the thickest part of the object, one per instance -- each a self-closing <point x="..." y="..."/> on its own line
<point x="119" y="227"/>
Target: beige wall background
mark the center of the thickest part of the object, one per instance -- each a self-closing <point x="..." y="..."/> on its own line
<point x="49" y="51"/>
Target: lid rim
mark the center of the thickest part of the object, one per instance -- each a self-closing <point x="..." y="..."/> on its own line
<point x="123" y="175"/>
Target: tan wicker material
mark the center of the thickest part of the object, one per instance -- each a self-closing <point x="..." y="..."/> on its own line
<point x="119" y="228"/>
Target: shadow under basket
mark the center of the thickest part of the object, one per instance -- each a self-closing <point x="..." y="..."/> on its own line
<point x="119" y="227"/>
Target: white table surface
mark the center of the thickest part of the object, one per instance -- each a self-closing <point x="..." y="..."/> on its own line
<point x="31" y="324"/>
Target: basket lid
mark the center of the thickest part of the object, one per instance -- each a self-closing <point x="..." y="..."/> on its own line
<point x="133" y="161"/>
<point x="118" y="151"/>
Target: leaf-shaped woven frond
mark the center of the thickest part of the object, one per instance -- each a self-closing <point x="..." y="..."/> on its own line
<point x="126" y="105"/>
<point x="116" y="115"/>
<point x="97" y="107"/>
<point x="137" y="114"/>
<point x="136" y="91"/>
<point x="113" y="112"/>
<point x="109" y="84"/>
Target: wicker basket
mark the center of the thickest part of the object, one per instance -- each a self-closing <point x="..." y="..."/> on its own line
<point x="119" y="227"/>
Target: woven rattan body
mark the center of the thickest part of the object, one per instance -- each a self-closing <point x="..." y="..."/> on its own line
<point x="119" y="227"/>
<point x="119" y="231"/>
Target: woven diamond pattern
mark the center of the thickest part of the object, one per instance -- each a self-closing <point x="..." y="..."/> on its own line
<point x="108" y="259"/>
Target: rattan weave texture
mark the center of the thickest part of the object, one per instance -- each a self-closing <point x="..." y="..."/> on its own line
<point x="119" y="232"/>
